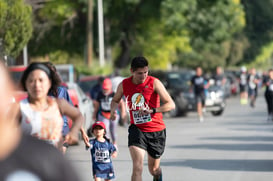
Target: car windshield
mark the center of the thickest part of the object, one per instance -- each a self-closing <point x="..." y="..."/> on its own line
<point x="16" y="76"/>
<point x="87" y="85"/>
<point x="175" y="81"/>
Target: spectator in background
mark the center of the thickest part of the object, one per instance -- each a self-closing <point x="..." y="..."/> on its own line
<point x="96" y="88"/>
<point x="23" y="157"/>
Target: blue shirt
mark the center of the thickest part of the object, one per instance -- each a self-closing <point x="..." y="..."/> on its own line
<point x="95" y="91"/>
<point x="63" y="94"/>
<point x="101" y="158"/>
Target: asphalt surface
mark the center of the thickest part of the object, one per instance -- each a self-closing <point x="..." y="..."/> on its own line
<point x="237" y="146"/>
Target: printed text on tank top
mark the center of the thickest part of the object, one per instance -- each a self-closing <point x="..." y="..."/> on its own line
<point x="137" y="103"/>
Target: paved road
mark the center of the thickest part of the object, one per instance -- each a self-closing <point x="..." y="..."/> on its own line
<point x="237" y="146"/>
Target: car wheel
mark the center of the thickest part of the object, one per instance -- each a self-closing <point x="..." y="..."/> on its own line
<point x="217" y="113"/>
<point x="174" y="112"/>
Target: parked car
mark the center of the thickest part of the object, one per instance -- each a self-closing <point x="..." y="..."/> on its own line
<point x="16" y="72"/>
<point x="87" y="82"/>
<point x="116" y="80"/>
<point x="66" y="72"/>
<point x="186" y="76"/>
<point x="234" y="84"/>
<point x="176" y="88"/>
<point x="215" y="101"/>
<point x="82" y="101"/>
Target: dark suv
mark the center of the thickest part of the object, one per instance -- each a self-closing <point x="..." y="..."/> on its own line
<point x="177" y="88"/>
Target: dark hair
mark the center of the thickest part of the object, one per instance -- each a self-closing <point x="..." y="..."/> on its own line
<point x="53" y="76"/>
<point x="90" y="133"/>
<point x="56" y="79"/>
<point x="139" y="62"/>
<point x="101" y="79"/>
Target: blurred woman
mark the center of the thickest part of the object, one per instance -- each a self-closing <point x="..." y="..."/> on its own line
<point x="23" y="157"/>
<point x="62" y="93"/>
<point x="41" y="115"/>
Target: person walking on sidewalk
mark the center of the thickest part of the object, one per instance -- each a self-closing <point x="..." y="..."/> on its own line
<point x="147" y="131"/>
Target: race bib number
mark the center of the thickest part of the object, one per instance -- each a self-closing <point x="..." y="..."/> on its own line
<point x="102" y="156"/>
<point x="140" y="119"/>
<point x="271" y="87"/>
<point x="105" y="105"/>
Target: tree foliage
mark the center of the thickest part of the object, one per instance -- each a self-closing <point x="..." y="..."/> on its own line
<point x="211" y="26"/>
<point x="15" y="26"/>
<point x="259" y="29"/>
<point x="59" y="26"/>
<point x="182" y="33"/>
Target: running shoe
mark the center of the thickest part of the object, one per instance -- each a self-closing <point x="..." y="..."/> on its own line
<point x="201" y="119"/>
<point x="159" y="178"/>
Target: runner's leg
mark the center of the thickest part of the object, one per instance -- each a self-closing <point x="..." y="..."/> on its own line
<point x="154" y="166"/>
<point x="137" y="155"/>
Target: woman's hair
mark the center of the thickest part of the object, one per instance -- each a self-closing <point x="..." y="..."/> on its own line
<point x="56" y="79"/>
<point x="139" y="62"/>
<point x="52" y="75"/>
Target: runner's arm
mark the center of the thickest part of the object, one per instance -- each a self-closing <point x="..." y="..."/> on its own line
<point x="168" y="103"/>
<point x="76" y="116"/>
<point x="122" y="109"/>
<point x="96" y="109"/>
<point x="116" y="100"/>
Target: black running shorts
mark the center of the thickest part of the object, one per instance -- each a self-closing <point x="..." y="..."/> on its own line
<point x="152" y="142"/>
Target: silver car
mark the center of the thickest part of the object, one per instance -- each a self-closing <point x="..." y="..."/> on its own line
<point x="83" y="102"/>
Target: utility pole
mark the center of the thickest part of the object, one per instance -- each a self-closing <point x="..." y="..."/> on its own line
<point x="101" y="33"/>
<point x="25" y="56"/>
<point x="90" y="33"/>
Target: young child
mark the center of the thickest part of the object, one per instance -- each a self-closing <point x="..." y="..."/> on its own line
<point x="101" y="151"/>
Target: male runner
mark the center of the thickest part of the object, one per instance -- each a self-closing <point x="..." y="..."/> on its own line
<point x="147" y="131"/>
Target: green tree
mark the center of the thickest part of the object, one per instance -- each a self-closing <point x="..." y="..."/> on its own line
<point x="259" y="17"/>
<point x="59" y="26"/>
<point x="211" y="26"/>
<point x="15" y="26"/>
<point x="185" y="33"/>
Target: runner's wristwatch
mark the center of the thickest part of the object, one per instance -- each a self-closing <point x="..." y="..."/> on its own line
<point x="154" y="110"/>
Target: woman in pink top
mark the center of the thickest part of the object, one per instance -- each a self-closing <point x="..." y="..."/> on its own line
<point x="41" y="115"/>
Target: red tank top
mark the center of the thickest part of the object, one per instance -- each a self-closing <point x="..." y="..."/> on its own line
<point x="142" y="96"/>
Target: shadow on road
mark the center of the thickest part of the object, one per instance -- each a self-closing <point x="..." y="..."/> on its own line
<point x="241" y="138"/>
<point x="229" y="147"/>
<point x="223" y="165"/>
